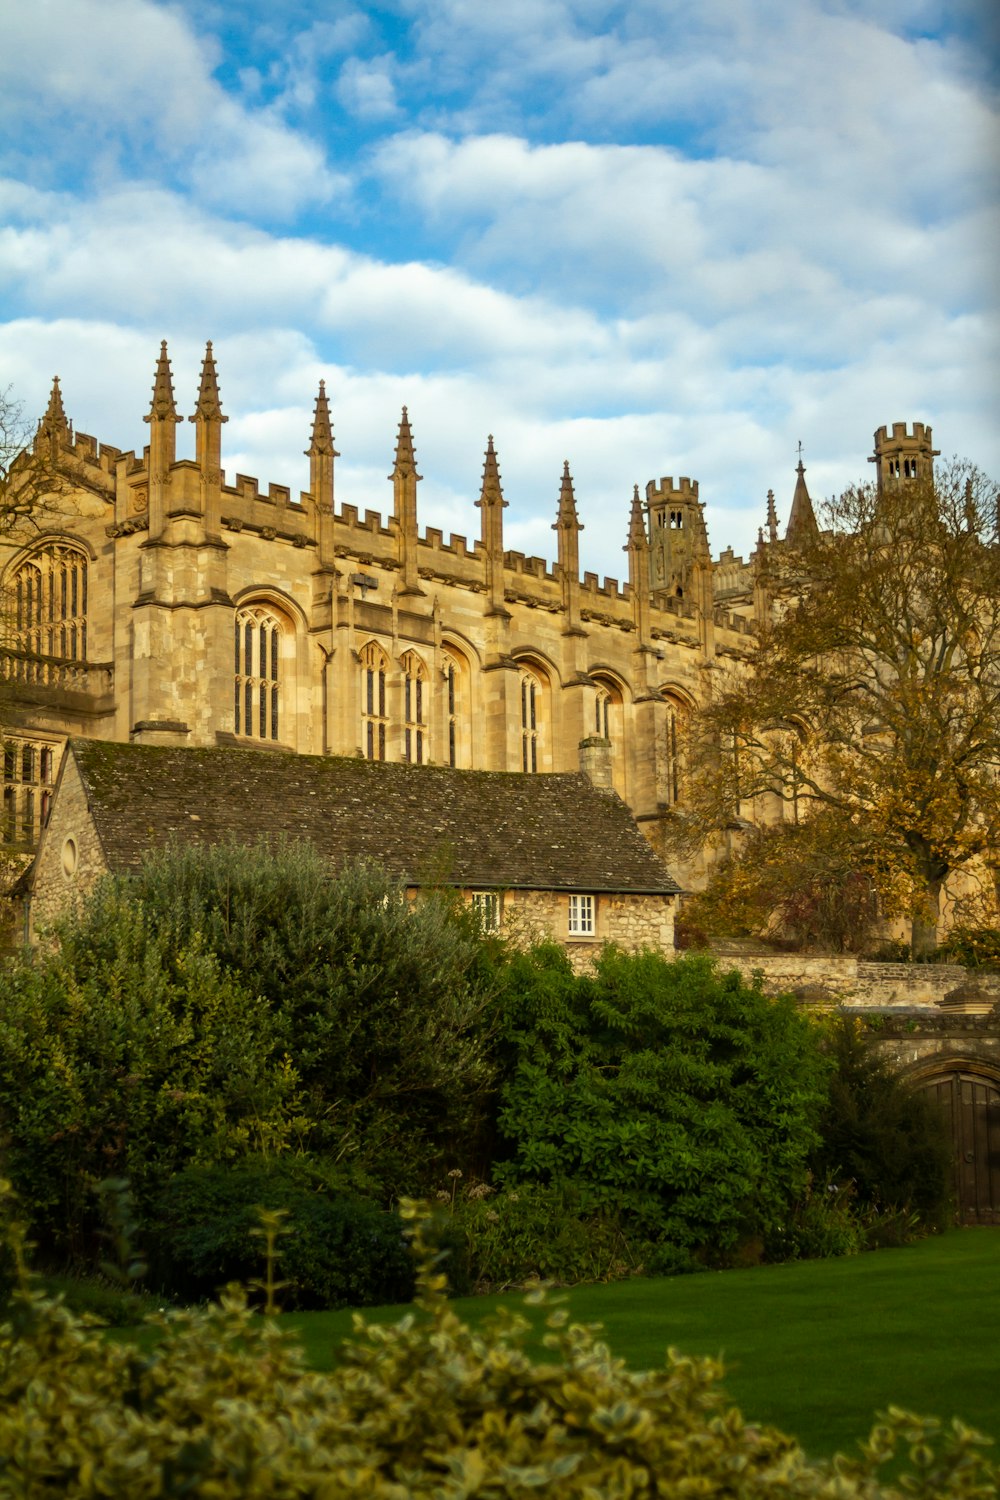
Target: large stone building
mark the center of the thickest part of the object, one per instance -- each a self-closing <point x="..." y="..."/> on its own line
<point x="160" y="601"/>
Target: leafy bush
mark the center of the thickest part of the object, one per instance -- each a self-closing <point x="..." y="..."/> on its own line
<point x="677" y="1097"/>
<point x="335" y="1251"/>
<point x="222" y="1405"/>
<point x="231" y="1002"/>
<point x="885" y="1138"/>
<point x="381" y="1002"/>
<point x="821" y="1224"/>
<point x="511" y="1236"/>
<point x="974" y="947"/>
<point x="132" y="1067"/>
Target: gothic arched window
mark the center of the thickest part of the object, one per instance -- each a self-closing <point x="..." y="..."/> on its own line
<point x="676" y="733"/>
<point x="50" y="603"/>
<point x="414" y="709"/>
<point x="455" y="670"/>
<point x="532" y="720"/>
<point x="257" y="699"/>
<point x="609" y="725"/>
<point x="374" y="665"/>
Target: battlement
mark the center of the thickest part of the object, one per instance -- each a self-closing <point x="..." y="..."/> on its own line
<point x="666" y="491"/>
<point x="921" y="435"/>
<point x="609" y="589"/>
<point x="87" y="450"/>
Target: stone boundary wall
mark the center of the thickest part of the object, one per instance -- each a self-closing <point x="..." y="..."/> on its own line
<point x="850" y="981"/>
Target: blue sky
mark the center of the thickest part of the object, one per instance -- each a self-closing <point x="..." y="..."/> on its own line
<point x="659" y="237"/>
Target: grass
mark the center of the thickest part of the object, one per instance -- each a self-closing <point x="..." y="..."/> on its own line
<point x="814" y="1347"/>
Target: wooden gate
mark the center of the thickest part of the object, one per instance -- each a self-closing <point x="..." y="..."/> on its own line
<point x="971" y="1104"/>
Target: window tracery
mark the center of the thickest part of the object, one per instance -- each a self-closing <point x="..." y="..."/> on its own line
<point x="50" y="605"/>
<point x="374" y="720"/>
<point x="257" y="693"/>
<point x="414" y="708"/>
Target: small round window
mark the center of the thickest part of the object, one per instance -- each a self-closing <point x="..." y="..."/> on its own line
<point x="69" y="858"/>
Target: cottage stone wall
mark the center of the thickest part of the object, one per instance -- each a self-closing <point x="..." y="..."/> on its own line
<point x="70" y="858"/>
<point x="631" y="922"/>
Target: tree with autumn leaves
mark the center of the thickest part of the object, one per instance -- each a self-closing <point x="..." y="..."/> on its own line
<point x="867" y="714"/>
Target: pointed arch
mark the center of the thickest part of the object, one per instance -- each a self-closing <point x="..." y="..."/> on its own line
<point x="415" y="705"/>
<point x="374" y="717"/>
<point x="264" y="671"/>
<point x="456" y="671"/>
<point x="47" y="592"/>
<point x="609" y="722"/>
<point x="535" y="699"/>
<point x="676" y="720"/>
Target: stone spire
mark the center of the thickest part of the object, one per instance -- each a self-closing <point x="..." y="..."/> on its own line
<point x="321" y="454"/>
<point x="209" y="406"/>
<point x="162" y="418"/>
<point x="638" y="567"/>
<point x="405" y="478"/>
<point x="208" y="420"/>
<point x="772" y="518"/>
<point x="54" y="425"/>
<point x="802" y="527"/>
<point x="567" y="528"/>
<point x="492" y="504"/>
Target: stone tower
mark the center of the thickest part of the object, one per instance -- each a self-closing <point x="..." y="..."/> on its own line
<point x="678" y="538"/>
<point x="901" y="455"/>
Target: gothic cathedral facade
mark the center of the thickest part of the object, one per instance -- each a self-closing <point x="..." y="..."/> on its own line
<point x="156" y="600"/>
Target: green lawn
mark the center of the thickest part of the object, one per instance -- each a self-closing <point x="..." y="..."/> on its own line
<point x="814" y="1348"/>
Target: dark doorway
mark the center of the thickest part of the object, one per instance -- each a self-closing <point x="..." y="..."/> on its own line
<point x="971" y="1104"/>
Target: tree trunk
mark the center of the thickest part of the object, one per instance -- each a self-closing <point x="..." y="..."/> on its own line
<point x="924" y="931"/>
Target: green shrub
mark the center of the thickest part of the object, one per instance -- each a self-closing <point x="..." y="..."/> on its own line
<point x="821" y="1224"/>
<point x="335" y="1251"/>
<point x="426" y="1409"/>
<point x="530" y="1231"/>
<point x="680" y="1099"/>
<point x="885" y="1138"/>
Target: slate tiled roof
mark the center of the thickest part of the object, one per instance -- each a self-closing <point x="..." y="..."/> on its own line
<point x="422" y="823"/>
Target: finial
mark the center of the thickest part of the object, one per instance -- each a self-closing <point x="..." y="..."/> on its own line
<point x="54" y="423"/>
<point x="772" y="518"/>
<point x="163" y="407"/>
<point x="637" y="537"/>
<point x="491" y="492"/>
<point x="209" y="407"/>
<point x="567" y="519"/>
<point x="405" y="456"/>
<point x="321" y="440"/>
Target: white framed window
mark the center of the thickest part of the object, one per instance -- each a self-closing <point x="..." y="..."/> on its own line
<point x="486" y="905"/>
<point x="581" y="916"/>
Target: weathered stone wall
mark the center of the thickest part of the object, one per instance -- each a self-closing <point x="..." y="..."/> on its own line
<point x="70" y="858"/>
<point x="632" y="922"/>
<point x="848" y="980"/>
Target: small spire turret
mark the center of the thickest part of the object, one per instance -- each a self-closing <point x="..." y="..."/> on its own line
<point x="567" y="518"/>
<point x="772" y="519"/>
<point x="404" y="478"/>
<point x="638" y="567"/>
<point x="54" y="424"/>
<point x="492" y="504"/>
<point x="163" y="407"/>
<point x="406" y="462"/>
<point x="802" y="526"/>
<point x="209" y="406"/>
<point x="321" y="454"/>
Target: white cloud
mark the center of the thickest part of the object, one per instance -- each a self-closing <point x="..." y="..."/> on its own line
<point x="126" y="83"/>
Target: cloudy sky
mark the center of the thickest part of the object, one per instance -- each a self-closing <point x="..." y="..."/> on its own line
<point x="653" y="237"/>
